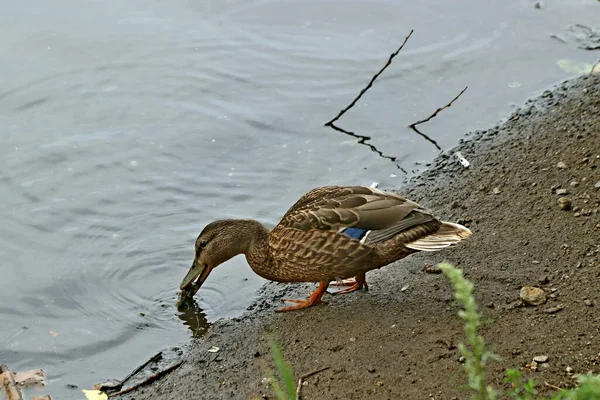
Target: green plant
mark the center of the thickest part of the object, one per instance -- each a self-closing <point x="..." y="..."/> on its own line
<point x="520" y="390"/>
<point x="285" y="373"/>
<point x="474" y="351"/>
<point x="589" y="388"/>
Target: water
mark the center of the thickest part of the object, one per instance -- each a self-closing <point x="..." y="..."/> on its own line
<point x="127" y="126"/>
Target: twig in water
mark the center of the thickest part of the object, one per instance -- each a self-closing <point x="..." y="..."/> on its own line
<point x="303" y="378"/>
<point x="363" y="140"/>
<point x="430" y="140"/>
<point x="148" y="380"/>
<point x="363" y="91"/>
<point x="436" y="112"/>
<point x="156" y="358"/>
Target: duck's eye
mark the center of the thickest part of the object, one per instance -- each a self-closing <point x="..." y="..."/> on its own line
<point x="202" y="244"/>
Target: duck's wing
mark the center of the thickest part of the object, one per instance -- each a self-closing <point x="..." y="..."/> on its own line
<point x="337" y="208"/>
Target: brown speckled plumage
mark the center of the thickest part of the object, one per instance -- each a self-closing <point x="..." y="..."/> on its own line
<point x="309" y="244"/>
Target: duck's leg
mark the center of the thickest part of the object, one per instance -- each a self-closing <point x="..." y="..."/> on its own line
<point x="355" y="284"/>
<point x="314" y="299"/>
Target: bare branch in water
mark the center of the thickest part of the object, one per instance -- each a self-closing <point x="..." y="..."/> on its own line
<point x="363" y="140"/>
<point x="430" y="140"/>
<point x="148" y="380"/>
<point x="436" y="112"/>
<point x="364" y="90"/>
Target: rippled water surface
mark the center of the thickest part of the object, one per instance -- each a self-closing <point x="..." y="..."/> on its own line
<point x="127" y="126"/>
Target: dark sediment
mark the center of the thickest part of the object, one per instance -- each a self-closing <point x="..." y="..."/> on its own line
<point x="398" y="340"/>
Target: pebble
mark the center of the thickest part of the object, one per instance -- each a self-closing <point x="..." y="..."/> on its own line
<point x="574" y="183"/>
<point x="588" y="302"/>
<point x="569" y="370"/>
<point x="562" y="192"/>
<point x="540" y="359"/>
<point x="532" y="295"/>
<point x="597" y="185"/>
<point x="496" y="190"/>
<point x="561" y="165"/>
<point x="564" y="203"/>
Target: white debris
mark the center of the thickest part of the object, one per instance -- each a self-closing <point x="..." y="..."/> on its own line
<point x="465" y="163"/>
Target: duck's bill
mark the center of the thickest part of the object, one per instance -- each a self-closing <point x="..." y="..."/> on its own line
<point x="197" y="273"/>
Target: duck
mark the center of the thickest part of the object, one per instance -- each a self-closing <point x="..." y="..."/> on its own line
<point x="331" y="235"/>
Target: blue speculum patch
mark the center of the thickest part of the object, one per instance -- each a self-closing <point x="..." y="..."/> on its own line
<point x="355" y="233"/>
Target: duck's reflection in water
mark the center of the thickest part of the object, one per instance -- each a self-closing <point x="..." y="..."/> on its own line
<point x="193" y="317"/>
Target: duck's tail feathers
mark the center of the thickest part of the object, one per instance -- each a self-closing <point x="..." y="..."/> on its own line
<point x="448" y="234"/>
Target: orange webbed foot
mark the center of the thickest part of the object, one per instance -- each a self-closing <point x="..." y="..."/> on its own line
<point x="356" y="283"/>
<point x="300" y="304"/>
<point x="313" y="300"/>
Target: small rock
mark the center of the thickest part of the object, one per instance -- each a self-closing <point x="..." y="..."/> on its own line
<point x="588" y="302"/>
<point x="597" y="185"/>
<point x="569" y="370"/>
<point x="461" y="359"/>
<point x="532" y="295"/>
<point x="564" y="203"/>
<point x="561" y="165"/>
<point x="496" y="190"/>
<point x="544" y="280"/>
<point x="540" y="359"/>
<point x="574" y="183"/>
<point x="562" y="192"/>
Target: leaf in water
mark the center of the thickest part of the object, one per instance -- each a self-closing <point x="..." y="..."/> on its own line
<point x="95" y="395"/>
<point x="213" y="349"/>
<point x="574" y="67"/>
<point x="34" y="377"/>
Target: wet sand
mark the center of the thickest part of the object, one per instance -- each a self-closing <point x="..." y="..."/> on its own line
<point x="399" y="339"/>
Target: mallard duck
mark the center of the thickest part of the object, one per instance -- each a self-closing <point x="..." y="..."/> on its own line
<point x="331" y="233"/>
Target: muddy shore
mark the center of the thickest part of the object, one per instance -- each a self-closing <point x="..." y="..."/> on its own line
<point x="398" y="340"/>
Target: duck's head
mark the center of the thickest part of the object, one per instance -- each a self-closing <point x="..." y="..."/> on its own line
<point x="218" y="242"/>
